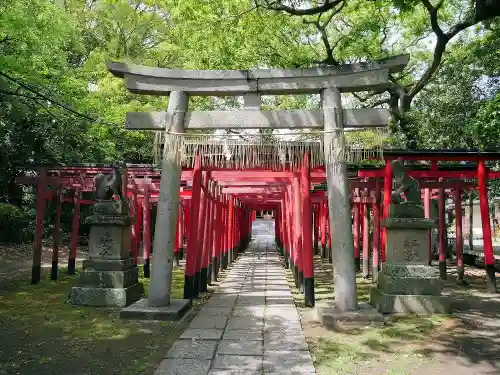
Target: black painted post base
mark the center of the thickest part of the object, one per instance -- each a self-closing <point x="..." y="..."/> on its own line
<point x="188" y="287"/>
<point x="54" y="271"/>
<point x="330" y="260"/>
<point x="197" y="284"/>
<point x="147" y="269"/>
<point x="177" y="258"/>
<point x="71" y="266"/>
<point x="287" y="263"/>
<point x="36" y="272"/>
<point x="208" y="278"/>
<point x="301" y="281"/>
<point x="309" y="291"/>
<point x="316" y="249"/>
<point x="442" y="270"/>
<point x="460" y="276"/>
<point x="357" y="263"/>
<point x="323" y="252"/>
<point x="296" y="276"/>
<point x="215" y="269"/>
<point x="490" y="278"/>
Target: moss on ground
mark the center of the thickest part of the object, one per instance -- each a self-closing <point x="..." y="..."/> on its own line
<point x="394" y="349"/>
<point x="41" y="333"/>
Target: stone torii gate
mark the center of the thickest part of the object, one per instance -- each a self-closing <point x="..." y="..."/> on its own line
<point x="329" y="82"/>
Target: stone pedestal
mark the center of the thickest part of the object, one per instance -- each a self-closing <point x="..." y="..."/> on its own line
<point x="110" y="277"/>
<point x="406" y="283"/>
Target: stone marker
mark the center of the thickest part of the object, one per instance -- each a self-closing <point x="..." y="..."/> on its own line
<point x="406" y="283"/>
<point x="110" y="277"/>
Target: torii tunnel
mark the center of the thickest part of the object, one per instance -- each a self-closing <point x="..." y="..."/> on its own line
<point x="218" y="206"/>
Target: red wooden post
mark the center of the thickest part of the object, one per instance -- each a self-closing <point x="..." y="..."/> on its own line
<point x="40" y="215"/>
<point x="316" y="229"/>
<point x="427" y="211"/>
<point x="133" y="229"/>
<point x="329" y="237"/>
<point x="74" y="232"/>
<point x="187" y="218"/>
<point x="442" y="236"/>
<point x="297" y="213"/>
<point x="376" y="232"/>
<point x="225" y="235"/>
<point x="216" y="239"/>
<point x="138" y="228"/>
<point x="387" y="202"/>
<point x="356" y="224"/>
<point x="307" y="245"/>
<point x="489" y="259"/>
<point x="200" y="227"/>
<point x="366" y="238"/>
<point x="178" y="234"/>
<point x="230" y="229"/>
<point x="146" y="232"/>
<point x="459" y="241"/>
<point x="206" y="251"/>
<point x="322" y="224"/>
<point x="57" y="237"/>
<point x="192" y="241"/>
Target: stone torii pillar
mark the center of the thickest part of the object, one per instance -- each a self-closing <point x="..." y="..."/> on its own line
<point x="159" y="305"/>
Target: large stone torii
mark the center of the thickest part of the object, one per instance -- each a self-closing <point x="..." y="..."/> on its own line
<point x="329" y="82"/>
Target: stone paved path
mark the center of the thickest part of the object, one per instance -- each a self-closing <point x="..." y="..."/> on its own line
<point x="250" y="324"/>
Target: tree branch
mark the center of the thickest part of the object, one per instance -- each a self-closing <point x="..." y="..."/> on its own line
<point x="279" y="6"/>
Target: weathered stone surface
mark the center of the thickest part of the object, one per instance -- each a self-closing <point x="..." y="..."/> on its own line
<point x="108" y="265"/>
<point x="409" y="285"/>
<point x="109" y="279"/>
<point x="142" y="311"/>
<point x="199" y="349"/>
<point x="94" y="296"/>
<point x="253" y="334"/>
<point x="406" y="211"/>
<point x="202" y="334"/>
<point x="183" y="366"/>
<point x="109" y="242"/>
<point x="407" y="246"/>
<point x="115" y="220"/>
<point x="331" y="317"/>
<point x="409" y="270"/>
<point x="235" y="372"/>
<point x="246" y="322"/>
<point x="240" y="347"/>
<point x="208" y="321"/>
<point x="237" y="362"/>
<point x="407" y="223"/>
<point x="290" y="343"/>
<point x="409" y="304"/>
<point x="289" y="362"/>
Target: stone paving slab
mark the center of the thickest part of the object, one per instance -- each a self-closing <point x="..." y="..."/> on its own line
<point x="199" y="349"/>
<point x="249" y="326"/>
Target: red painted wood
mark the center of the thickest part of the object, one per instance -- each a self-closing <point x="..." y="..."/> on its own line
<point x="138" y="228"/>
<point x="387" y="202"/>
<point x="74" y="230"/>
<point x="376" y="229"/>
<point x="459" y="241"/>
<point x="192" y="242"/>
<point x="146" y="223"/>
<point x="356" y="225"/>
<point x="485" y="213"/>
<point x="307" y="244"/>
<point x="427" y="213"/>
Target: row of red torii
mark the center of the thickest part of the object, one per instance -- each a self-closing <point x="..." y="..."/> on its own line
<point x="225" y="201"/>
<point x="290" y="170"/>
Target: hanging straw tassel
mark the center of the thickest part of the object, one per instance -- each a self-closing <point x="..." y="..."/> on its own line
<point x="254" y="151"/>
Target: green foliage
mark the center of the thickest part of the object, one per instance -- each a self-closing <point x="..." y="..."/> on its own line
<point x="13" y="223"/>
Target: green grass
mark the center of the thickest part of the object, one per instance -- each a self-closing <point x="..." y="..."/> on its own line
<point x="41" y="333"/>
<point x="394" y="349"/>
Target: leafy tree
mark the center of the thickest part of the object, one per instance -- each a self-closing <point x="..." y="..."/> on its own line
<point x="360" y="29"/>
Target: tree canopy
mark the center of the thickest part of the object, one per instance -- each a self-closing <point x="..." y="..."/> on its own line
<point x="59" y="104"/>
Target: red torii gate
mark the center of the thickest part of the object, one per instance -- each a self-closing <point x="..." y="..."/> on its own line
<point x="142" y="187"/>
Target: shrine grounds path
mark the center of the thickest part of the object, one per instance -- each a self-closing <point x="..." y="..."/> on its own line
<point x="250" y="325"/>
